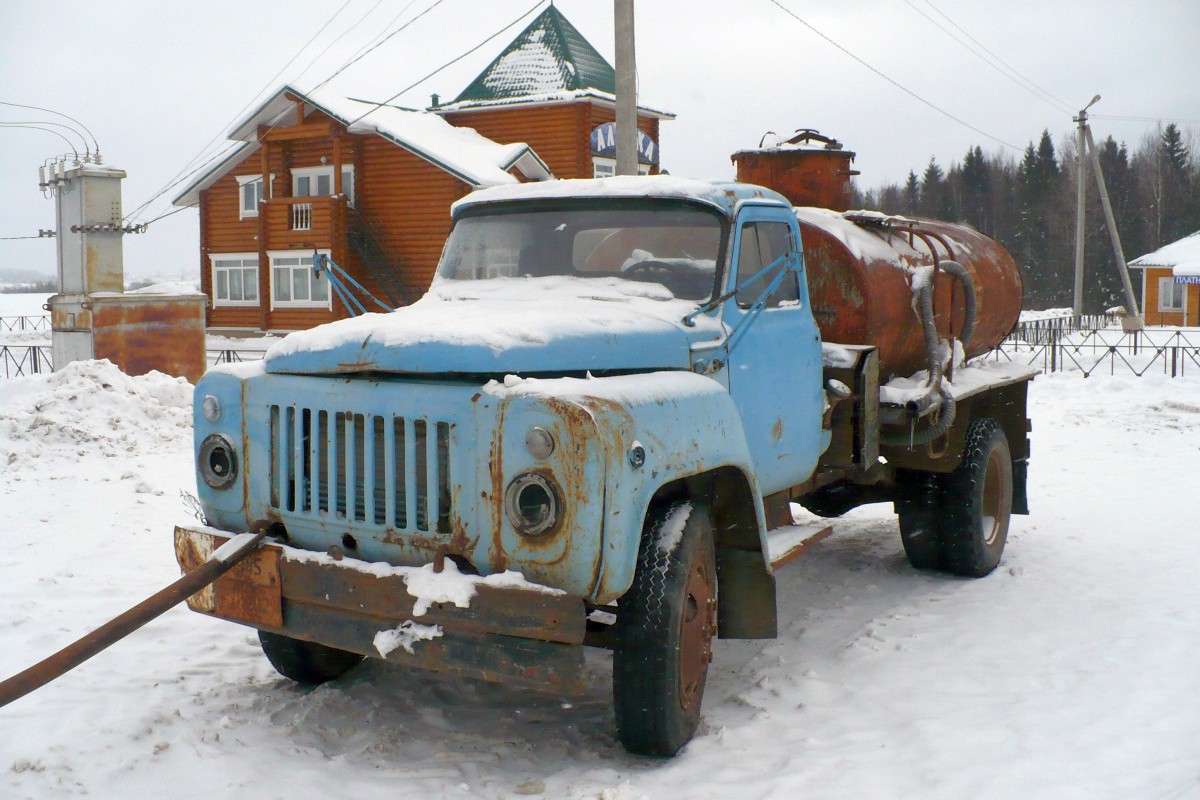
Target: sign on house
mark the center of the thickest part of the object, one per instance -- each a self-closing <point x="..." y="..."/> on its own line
<point x="604" y="144"/>
<point x="1186" y="279"/>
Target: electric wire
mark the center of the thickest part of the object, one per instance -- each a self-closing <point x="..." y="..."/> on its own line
<point x="449" y="63"/>
<point x="95" y="145"/>
<point x="995" y="62"/>
<point x="372" y="48"/>
<point x="378" y="37"/>
<point x="336" y="39"/>
<point x="269" y="84"/>
<point x="1045" y="95"/>
<point x="902" y="88"/>
<point x="40" y="122"/>
<point x="40" y="128"/>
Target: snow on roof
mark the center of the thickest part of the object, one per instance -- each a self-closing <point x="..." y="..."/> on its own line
<point x="548" y="56"/>
<point x="1182" y="255"/>
<point x="463" y="152"/>
<point x="549" y="98"/>
<point x="721" y="194"/>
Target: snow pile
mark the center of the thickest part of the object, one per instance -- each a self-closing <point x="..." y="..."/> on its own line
<point x="92" y="409"/>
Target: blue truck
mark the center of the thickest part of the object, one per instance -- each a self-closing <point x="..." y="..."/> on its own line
<point x="589" y="432"/>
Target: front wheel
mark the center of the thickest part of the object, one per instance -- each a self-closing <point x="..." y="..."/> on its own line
<point x="305" y="662"/>
<point x="665" y="626"/>
<point x="978" y="498"/>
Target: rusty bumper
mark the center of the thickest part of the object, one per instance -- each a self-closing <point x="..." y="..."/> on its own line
<point x="519" y="635"/>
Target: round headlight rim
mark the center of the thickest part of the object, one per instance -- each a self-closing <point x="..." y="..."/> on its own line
<point x="512" y="509"/>
<point x="540" y="442"/>
<point x="210" y="408"/>
<point x="204" y="460"/>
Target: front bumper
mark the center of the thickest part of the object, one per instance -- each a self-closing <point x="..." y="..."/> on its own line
<point x="501" y="628"/>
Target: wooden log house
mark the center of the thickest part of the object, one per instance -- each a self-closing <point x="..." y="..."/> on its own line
<point x="1171" y="283"/>
<point x="371" y="185"/>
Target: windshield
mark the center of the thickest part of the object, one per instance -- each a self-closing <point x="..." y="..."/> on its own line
<point x="674" y="245"/>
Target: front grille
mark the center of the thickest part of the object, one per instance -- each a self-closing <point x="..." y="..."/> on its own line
<point x="381" y="470"/>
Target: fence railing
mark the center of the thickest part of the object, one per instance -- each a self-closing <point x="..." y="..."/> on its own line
<point x="19" y="360"/>
<point x="1172" y="352"/>
<point x="34" y="323"/>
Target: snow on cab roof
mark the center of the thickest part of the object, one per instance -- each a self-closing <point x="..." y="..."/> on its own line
<point x="724" y="195"/>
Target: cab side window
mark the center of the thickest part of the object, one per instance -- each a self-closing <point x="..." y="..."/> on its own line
<point x="762" y="243"/>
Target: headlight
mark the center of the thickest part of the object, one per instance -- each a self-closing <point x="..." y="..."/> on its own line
<point x="210" y="407"/>
<point x="217" y="461"/>
<point x="532" y="504"/>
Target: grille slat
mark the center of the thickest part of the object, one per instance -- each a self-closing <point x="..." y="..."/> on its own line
<point x="363" y="468"/>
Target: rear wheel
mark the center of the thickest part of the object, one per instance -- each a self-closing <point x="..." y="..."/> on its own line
<point x="305" y="662"/>
<point x="919" y="508"/>
<point x="978" y="499"/>
<point x="665" y="626"/>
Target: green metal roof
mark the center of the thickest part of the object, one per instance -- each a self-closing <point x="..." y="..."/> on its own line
<point x="548" y="57"/>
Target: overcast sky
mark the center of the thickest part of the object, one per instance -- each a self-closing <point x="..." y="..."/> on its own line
<point x="160" y="82"/>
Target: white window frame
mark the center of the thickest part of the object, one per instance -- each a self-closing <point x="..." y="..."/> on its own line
<point x="305" y="263"/>
<point x="217" y="300"/>
<point x="607" y="167"/>
<point x="326" y="170"/>
<point x="243" y="211"/>
<point x="1169" y="289"/>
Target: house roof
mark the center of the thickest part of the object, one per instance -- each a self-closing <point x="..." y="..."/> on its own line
<point x="464" y="153"/>
<point x="1183" y="256"/>
<point x="548" y="57"/>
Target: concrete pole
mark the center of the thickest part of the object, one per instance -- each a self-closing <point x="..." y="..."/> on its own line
<point x="1080" y="210"/>
<point x="627" y="160"/>
<point x="1134" y="321"/>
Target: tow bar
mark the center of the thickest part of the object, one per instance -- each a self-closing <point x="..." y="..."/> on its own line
<point x="71" y="656"/>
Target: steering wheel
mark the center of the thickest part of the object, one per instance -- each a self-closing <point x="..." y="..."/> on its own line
<point x="653" y="270"/>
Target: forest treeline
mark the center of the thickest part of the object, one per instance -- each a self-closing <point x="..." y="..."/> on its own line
<point x="1028" y="205"/>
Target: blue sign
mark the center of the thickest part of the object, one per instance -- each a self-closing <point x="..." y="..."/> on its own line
<point x="604" y="144"/>
<point x="1185" y="279"/>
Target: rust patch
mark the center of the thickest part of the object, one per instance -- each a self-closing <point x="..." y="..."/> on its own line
<point x="163" y="334"/>
<point x="777" y="430"/>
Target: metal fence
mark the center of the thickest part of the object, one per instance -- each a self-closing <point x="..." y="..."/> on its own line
<point x="20" y="360"/>
<point x="1168" y="351"/>
<point x="39" y="323"/>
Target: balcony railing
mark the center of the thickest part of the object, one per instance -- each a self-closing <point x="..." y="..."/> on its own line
<point x="302" y="217"/>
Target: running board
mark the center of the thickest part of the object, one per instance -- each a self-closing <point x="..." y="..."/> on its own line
<point x="789" y="542"/>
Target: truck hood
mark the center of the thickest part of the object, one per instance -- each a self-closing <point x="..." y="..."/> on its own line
<point x="507" y="325"/>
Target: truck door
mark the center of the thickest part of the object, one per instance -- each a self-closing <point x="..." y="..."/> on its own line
<point x="774" y="356"/>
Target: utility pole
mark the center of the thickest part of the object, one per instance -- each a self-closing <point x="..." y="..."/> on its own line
<point x="627" y="155"/>
<point x="1080" y="205"/>
<point x="1087" y="147"/>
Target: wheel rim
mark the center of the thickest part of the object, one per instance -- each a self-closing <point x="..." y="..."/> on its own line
<point x="997" y="498"/>
<point x="697" y="623"/>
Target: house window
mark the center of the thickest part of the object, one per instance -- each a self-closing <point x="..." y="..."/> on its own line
<point x="294" y="282"/>
<point x="607" y="167"/>
<point x="1170" y="295"/>
<point x="318" y="182"/>
<point x="235" y="279"/>
<point x="250" y="190"/>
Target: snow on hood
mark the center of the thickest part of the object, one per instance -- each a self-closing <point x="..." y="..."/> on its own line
<point x="506" y="325"/>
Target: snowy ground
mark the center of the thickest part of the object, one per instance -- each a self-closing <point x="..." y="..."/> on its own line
<point x="1068" y="673"/>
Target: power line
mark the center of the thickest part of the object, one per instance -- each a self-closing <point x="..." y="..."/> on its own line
<point x="372" y="48"/>
<point x="338" y="38"/>
<point x="449" y="63"/>
<point x="40" y="128"/>
<point x="177" y="179"/>
<point x="995" y="62"/>
<point x="39" y="123"/>
<point x="389" y="24"/>
<point x="59" y="113"/>
<point x="904" y="89"/>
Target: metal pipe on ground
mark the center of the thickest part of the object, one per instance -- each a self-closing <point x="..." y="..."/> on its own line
<point x="221" y="561"/>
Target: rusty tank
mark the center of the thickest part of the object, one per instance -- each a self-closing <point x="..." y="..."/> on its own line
<point x="865" y="268"/>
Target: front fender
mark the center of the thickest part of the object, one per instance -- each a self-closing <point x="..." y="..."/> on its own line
<point x="686" y="424"/>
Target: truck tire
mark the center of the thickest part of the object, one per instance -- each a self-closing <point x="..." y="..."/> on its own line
<point x="919" y="507"/>
<point x="305" y="662"/>
<point x="664" y="631"/>
<point x="977" y="502"/>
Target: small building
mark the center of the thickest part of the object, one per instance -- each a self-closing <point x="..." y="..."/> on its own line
<point x="370" y="185"/>
<point x="1171" y="283"/>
